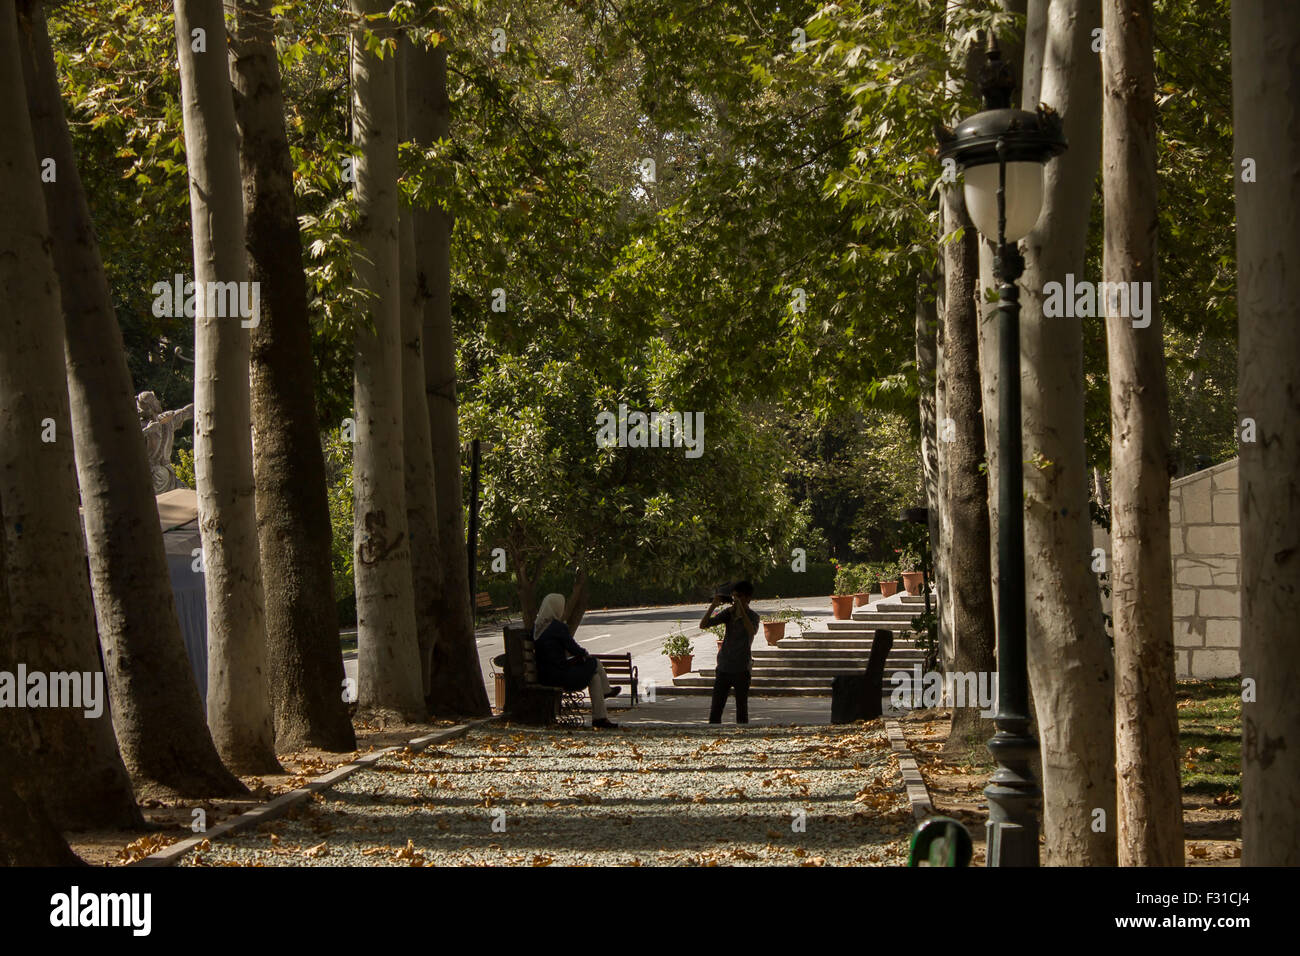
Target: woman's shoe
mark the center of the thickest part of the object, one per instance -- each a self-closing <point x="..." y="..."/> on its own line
<point x="603" y="724"/>
<point x="614" y="691"/>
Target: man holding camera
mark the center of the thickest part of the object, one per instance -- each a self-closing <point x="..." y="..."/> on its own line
<point x="734" y="661"/>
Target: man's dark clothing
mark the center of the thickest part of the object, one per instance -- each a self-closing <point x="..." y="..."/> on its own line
<point x="554" y="667"/>
<point x="734" y="658"/>
<point x="734" y="664"/>
<point x="724" y="682"/>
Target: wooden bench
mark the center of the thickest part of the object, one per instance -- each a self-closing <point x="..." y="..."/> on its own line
<point x="529" y="701"/>
<point x="483" y="602"/>
<point x="619" y="670"/>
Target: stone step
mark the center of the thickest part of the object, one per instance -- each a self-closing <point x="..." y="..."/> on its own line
<point x="840" y="643"/>
<point x="706" y="690"/>
<point x="819" y="653"/>
<point x="824" y="658"/>
<point x="800" y="675"/>
<point x="899" y="637"/>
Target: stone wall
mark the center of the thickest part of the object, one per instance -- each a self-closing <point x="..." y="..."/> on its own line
<point x="1206" y="552"/>
<point x="1204" y="540"/>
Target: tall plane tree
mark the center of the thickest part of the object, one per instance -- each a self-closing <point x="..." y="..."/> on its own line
<point x="79" y="775"/>
<point x="965" y="504"/>
<point x="457" y="676"/>
<point x="157" y="711"/>
<point x="1146" y="721"/>
<point x="1265" y="89"/>
<point x="421" y="494"/>
<point x="293" y="523"/>
<point x="239" y="711"/>
<point x="389" y="659"/>
<point x="1070" y="664"/>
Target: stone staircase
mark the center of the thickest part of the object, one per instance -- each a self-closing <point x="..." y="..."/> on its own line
<point x="802" y="666"/>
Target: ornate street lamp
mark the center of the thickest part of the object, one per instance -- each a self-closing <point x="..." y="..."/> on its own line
<point x="1001" y="152"/>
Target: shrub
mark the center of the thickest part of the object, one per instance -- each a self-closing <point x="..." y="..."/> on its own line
<point x="677" y="644"/>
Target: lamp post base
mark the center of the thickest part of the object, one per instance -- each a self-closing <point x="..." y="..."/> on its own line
<point x="1012" y="828"/>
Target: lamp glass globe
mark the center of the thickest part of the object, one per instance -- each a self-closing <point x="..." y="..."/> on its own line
<point x="1024" y="198"/>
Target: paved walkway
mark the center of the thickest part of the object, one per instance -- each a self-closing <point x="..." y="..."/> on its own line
<point x="640" y="797"/>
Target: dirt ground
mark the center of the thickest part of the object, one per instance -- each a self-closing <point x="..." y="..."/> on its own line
<point x="1212" y="832"/>
<point x="170" y="820"/>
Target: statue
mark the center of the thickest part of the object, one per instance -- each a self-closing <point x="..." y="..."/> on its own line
<point x="159" y="431"/>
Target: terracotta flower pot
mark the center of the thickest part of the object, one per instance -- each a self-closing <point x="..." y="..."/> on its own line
<point x="912" y="581"/>
<point x="681" y="665"/>
<point x="842" y="606"/>
<point x="861" y="598"/>
<point x="888" y="588"/>
<point x="773" y="631"/>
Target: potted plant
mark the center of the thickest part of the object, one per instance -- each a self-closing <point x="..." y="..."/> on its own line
<point x="719" y="631"/>
<point x="677" y="648"/>
<point x="887" y="575"/>
<point x="842" y="599"/>
<point x="862" y="579"/>
<point x="774" y="624"/>
<point x="909" y="562"/>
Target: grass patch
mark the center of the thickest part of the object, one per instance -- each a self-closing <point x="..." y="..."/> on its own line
<point x="1209" y="737"/>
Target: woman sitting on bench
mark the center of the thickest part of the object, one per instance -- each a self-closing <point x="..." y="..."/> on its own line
<point x="552" y="645"/>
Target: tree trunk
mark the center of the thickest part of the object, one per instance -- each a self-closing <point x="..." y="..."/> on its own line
<point x="293" y="524"/>
<point x="1070" y="661"/>
<point x="1146" y="719"/>
<point x="389" y="658"/>
<point x="1035" y="49"/>
<point x="28" y="837"/>
<point x="576" y="606"/>
<point x="421" y="494"/>
<point x="1265" y="88"/>
<point x="970" y="593"/>
<point x="457" y="677"/>
<point x="927" y="345"/>
<point x="157" y="711"/>
<point x="77" y="772"/>
<point x="239" y="709"/>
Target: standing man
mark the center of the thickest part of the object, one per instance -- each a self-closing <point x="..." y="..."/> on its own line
<point x="734" y="662"/>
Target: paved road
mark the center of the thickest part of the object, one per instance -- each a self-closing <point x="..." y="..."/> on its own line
<point x="641" y="631"/>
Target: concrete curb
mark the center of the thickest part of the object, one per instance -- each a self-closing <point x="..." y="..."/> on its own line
<point x="170" y="855"/>
<point x="913" y="782"/>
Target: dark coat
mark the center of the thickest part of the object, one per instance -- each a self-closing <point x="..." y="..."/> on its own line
<point x="554" y="666"/>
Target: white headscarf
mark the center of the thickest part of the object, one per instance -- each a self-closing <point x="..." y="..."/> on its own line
<point x="551" y="609"/>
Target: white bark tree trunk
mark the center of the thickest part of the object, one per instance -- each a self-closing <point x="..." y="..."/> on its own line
<point x="1071" y="667"/>
<point x="157" y="711"/>
<point x="421" y="496"/>
<point x="389" y="658"/>
<point x="1265" y="89"/>
<point x="1146" y="719"/>
<point x="80" y="777"/>
<point x="457" y="677"/>
<point x="239" y="709"/>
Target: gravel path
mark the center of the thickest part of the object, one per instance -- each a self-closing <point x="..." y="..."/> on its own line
<point x="646" y="797"/>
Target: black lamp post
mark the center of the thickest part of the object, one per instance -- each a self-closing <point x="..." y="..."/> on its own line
<point x="1001" y="152"/>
